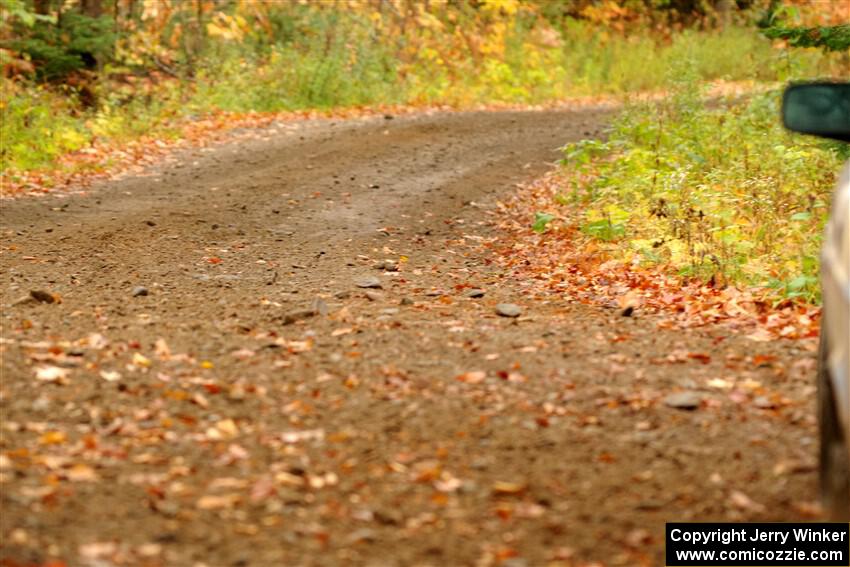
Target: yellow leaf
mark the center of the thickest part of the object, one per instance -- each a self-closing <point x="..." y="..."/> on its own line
<point x="53" y="438"/>
<point x="141" y="360"/>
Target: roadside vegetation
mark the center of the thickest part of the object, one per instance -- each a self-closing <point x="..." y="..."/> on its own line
<point x="93" y="71"/>
<point x="720" y="193"/>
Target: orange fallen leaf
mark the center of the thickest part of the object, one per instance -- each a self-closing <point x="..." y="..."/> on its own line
<point x="473" y="377"/>
<point x="53" y="438"/>
<point x="81" y="473"/>
<point x="701" y="356"/>
<point x="763" y="360"/>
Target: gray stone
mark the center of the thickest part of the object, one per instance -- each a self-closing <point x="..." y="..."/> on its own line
<point x="319" y="306"/>
<point x="508" y="310"/>
<point x="298" y="315"/>
<point x="683" y="400"/>
<point x="368" y="282"/>
<point x="386" y="265"/>
<point x="140" y="291"/>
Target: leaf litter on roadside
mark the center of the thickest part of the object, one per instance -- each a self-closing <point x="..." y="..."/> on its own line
<point x="565" y="263"/>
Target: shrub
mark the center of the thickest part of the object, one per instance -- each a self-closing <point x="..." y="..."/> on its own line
<point x="74" y="42"/>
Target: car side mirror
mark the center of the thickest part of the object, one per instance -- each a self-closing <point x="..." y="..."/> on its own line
<point x="819" y="109"/>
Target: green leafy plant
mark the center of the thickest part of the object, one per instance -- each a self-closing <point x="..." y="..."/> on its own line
<point x="604" y="229"/>
<point x="541" y="221"/>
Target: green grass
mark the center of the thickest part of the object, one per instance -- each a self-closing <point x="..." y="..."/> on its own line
<point x="38" y="126"/>
<point x="593" y="64"/>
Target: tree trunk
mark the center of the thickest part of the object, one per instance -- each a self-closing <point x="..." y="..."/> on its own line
<point x="42" y="7"/>
<point x="91" y="8"/>
<point x="724" y="12"/>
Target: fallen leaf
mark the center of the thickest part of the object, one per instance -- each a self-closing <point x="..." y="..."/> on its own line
<point x="306" y="435"/>
<point x="217" y="502"/>
<point x="474" y="377"/>
<point x="81" y="473"/>
<point x="508" y="488"/>
<point x="701" y="356"/>
<point x="242" y="354"/>
<point x="161" y="349"/>
<point x="763" y="360"/>
<point x="52" y="374"/>
<point x="738" y="499"/>
<point x="110" y="376"/>
<point x="720" y="383"/>
<point x="761" y="335"/>
<point x="223" y="429"/>
<point x="97" y="550"/>
<point x="52" y="438"/>
<point x="141" y="360"/>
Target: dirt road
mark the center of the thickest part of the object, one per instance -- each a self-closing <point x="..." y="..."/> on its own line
<point x="215" y="389"/>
